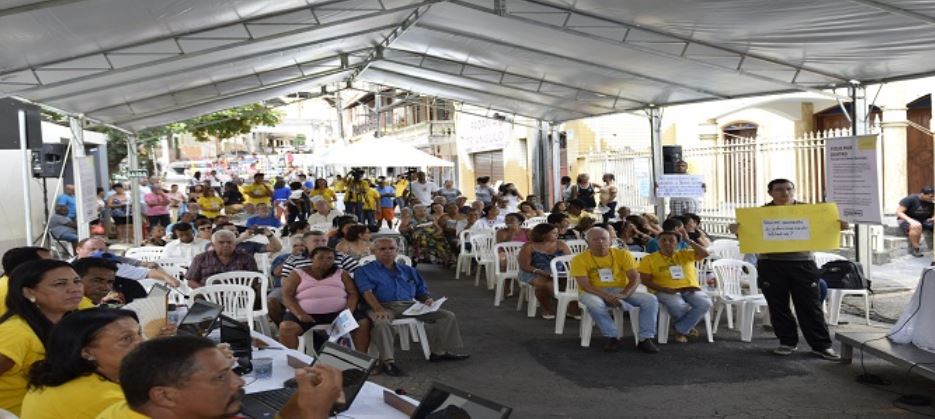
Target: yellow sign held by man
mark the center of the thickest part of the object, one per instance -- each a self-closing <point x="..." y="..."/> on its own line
<point x="789" y="228"/>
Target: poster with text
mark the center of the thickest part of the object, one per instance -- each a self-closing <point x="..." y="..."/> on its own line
<point x="680" y="186"/>
<point x="852" y="173"/>
<point x="789" y="228"/>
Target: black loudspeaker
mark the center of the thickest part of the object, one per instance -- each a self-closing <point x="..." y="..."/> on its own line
<point x="9" y="125"/>
<point x="670" y="155"/>
<point x="48" y="160"/>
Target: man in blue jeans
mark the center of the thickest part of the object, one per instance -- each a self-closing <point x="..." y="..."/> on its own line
<point x="607" y="278"/>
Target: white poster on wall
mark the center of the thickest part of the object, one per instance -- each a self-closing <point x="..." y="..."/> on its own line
<point x="476" y="134"/>
<point x="852" y="178"/>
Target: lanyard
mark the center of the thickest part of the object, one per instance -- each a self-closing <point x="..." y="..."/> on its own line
<point x="609" y="251"/>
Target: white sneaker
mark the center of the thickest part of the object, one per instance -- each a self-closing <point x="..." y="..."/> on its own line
<point x="828" y="354"/>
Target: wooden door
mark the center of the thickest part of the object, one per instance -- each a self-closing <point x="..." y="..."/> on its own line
<point x="919" y="145"/>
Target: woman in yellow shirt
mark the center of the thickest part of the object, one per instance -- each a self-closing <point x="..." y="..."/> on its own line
<point x="41" y="293"/>
<point x="322" y="189"/>
<point x="210" y="204"/>
<point x="78" y="379"/>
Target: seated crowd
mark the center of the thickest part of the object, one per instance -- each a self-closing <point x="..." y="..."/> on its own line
<point x="64" y="337"/>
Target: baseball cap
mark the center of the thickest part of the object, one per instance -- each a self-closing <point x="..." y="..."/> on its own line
<point x="928" y="190"/>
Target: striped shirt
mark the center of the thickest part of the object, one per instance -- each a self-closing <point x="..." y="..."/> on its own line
<point x="344" y="262"/>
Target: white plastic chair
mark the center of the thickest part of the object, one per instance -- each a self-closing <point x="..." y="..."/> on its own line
<point x="145" y="254"/>
<point x="412" y="329"/>
<point x="507" y="269"/>
<point x="731" y="276"/>
<point x="728" y="250"/>
<point x="405" y="260"/>
<point x="237" y="300"/>
<point x="6" y="414"/>
<point x="533" y="221"/>
<point x="465" y="255"/>
<point x="147" y="283"/>
<point x="836" y="295"/>
<point x="263" y="263"/>
<point x="662" y="332"/>
<point x="174" y="262"/>
<point x="587" y="323"/>
<point x="247" y="278"/>
<point x="560" y="267"/>
<point x="576" y="246"/>
<point x="322" y="227"/>
<point x="482" y="245"/>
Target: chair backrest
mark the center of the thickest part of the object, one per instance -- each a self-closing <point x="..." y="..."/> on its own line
<point x="509" y="264"/>
<point x="147" y="283"/>
<point x="237" y="300"/>
<point x="638" y="256"/>
<point x="263" y="263"/>
<point x="405" y="260"/>
<point x="499" y="226"/>
<point x="732" y="274"/>
<point x="464" y="238"/>
<point x="145" y="254"/>
<point x="821" y="258"/>
<point x="482" y="246"/>
<point x="322" y="227"/>
<point x="725" y="242"/>
<point x="560" y="266"/>
<point x="533" y="221"/>
<point x="175" y="262"/>
<point x="576" y="246"/>
<point x="725" y="251"/>
<point x="245" y="278"/>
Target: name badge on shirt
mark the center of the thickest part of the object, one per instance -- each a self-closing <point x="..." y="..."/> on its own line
<point x="606" y="274"/>
<point x="676" y="272"/>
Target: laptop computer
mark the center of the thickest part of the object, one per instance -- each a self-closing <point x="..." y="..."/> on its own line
<point x="446" y="402"/>
<point x="201" y="319"/>
<point x="355" y="369"/>
<point x="237" y="335"/>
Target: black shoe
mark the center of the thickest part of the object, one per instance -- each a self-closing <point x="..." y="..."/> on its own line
<point x="390" y="369"/>
<point x="612" y="345"/>
<point x="647" y="346"/>
<point x="448" y="356"/>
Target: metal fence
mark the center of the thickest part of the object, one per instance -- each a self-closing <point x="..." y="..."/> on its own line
<point x="736" y="172"/>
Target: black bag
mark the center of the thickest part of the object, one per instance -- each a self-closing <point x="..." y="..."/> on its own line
<point x="844" y="274"/>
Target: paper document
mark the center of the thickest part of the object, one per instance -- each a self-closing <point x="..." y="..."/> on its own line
<point x="419" y="309"/>
<point x="342" y="325"/>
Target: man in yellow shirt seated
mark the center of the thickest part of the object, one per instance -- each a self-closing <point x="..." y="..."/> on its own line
<point x="607" y="278"/>
<point x="189" y="377"/>
<point x="672" y="277"/>
<point x="13" y="258"/>
<point x="258" y="192"/>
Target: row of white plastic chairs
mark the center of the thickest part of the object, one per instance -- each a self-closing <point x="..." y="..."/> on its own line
<point x="735" y="284"/>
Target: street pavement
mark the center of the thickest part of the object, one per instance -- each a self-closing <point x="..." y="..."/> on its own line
<point x="520" y="362"/>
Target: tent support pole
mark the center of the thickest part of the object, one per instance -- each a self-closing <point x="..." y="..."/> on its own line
<point x="339" y="106"/>
<point x="556" y="172"/>
<point x="77" y="152"/>
<point x="27" y="179"/>
<point x="862" y="252"/>
<point x="378" y="109"/>
<point x="539" y="163"/>
<point x="655" y="129"/>
<point x="137" y="211"/>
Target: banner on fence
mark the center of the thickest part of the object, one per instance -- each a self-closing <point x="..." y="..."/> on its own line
<point x="680" y="186"/>
<point x="789" y="228"/>
<point x="853" y="178"/>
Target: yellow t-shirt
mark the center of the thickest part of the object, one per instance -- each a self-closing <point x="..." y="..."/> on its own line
<point x="573" y="220"/>
<point x="85" y="303"/>
<point x="21" y="345"/>
<point x="658" y="266"/>
<point x="371" y="200"/>
<point x="618" y="260"/>
<point x="81" y="398"/>
<point x="4" y="289"/>
<point x="401" y="186"/>
<point x="210" y="206"/>
<point x="339" y="186"/>
<point x="327" y="194"/>
<point x="120" y="410"/>
<point x="257" y="194"/>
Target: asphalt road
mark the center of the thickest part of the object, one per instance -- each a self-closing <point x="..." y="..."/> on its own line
<point x="520" y="362"/>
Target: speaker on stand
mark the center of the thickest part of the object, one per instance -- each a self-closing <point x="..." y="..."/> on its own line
<point x="671" y="154"/>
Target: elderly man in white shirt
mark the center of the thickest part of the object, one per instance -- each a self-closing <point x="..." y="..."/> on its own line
<point x="186" y="246"/>
<point x="324" y="214"/>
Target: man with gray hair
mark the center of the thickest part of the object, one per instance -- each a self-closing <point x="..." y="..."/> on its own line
<point x="608" y="278"/>
<point x="221" y="258"/>
<point x="389" y="288"/>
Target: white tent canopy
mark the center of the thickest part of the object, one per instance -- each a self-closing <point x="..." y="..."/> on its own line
<point x="380" y="152"/>
<point x="144" y="63"/>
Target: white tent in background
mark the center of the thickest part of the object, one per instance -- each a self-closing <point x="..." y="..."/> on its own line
<point x="381" y="152"/>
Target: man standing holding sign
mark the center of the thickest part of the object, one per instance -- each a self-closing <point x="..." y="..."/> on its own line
<point x="785" y="275"/>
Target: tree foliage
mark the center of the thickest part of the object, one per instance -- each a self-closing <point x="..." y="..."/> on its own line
<point x="218" y="126"/>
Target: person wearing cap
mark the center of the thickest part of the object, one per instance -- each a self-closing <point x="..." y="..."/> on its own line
<point x="258" y="192"/>
<point x="915" y="214"/>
